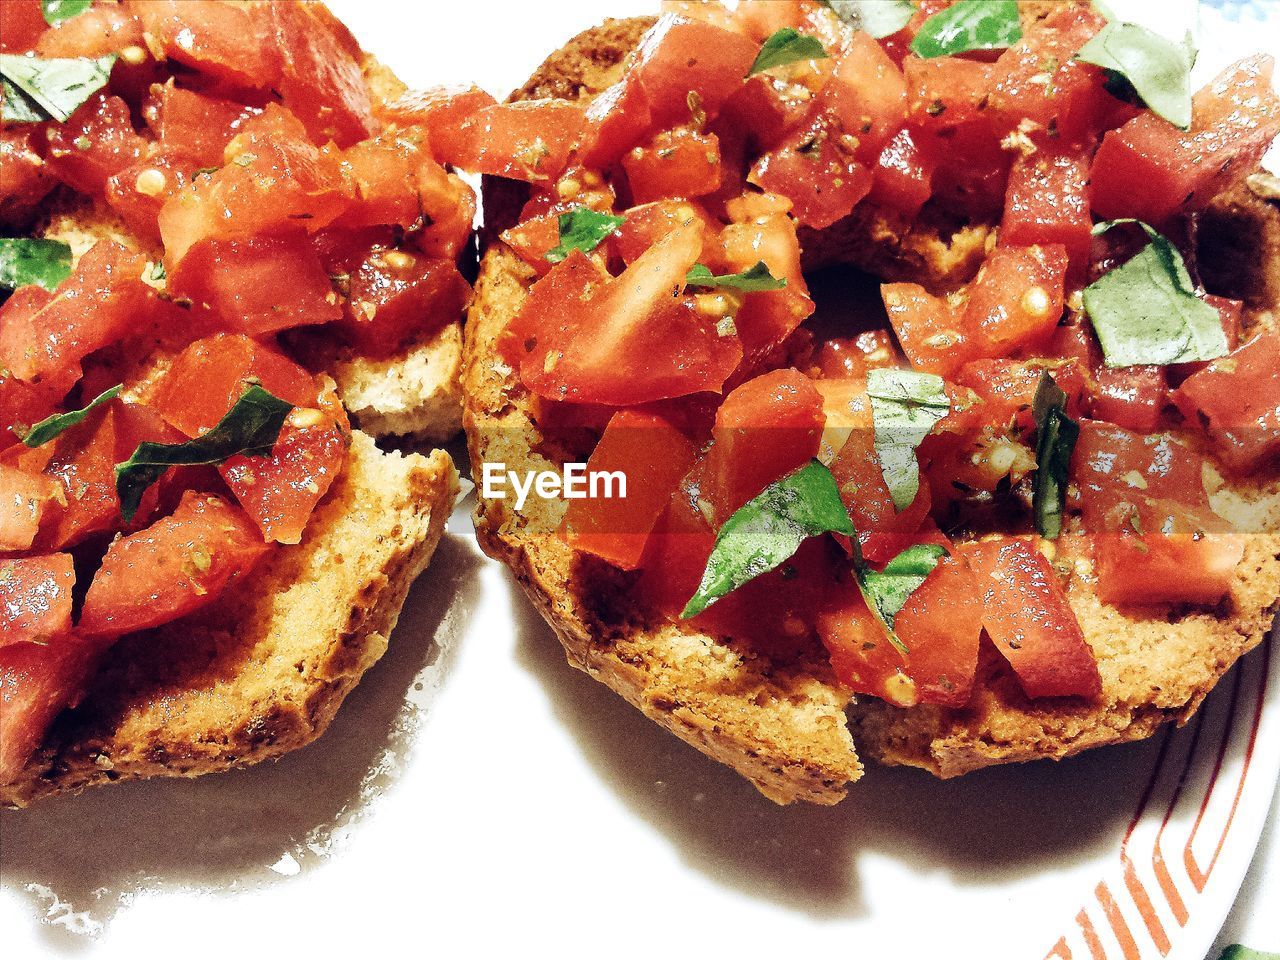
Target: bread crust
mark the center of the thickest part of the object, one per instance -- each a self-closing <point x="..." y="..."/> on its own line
<point x="783" y="725"/>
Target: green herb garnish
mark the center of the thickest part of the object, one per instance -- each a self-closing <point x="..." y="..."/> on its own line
<point x="50" y="427"/>
<point x="583" y="229"/>
<point x="249" y="428"/>
<point x="969" y="25"/>
<point x="887" y="591"/>
<point x="55" y="11"/>
<point x="905" y="406"/>
<point x="1056" y="436"/>
<point x="1238" y="952"/>
<point x="1157" y="69"/>
<point x="27" y="260"/>
<point x="755" y="280"/>
<point x="38" y="89"/>
<point x="787" y="46"/>
<point x="880" y="18"/>
<point x="767" y="530"/>
<point x="1146" y="311"/>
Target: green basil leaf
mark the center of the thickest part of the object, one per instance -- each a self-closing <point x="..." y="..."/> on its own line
<point x="583" y="229"/>
<point x="26" y="260"/>
<point x="880" y="18"/>
<point x="767" y="530"/>
<point x="38" y="89"/>
<point x="1056" y="436"/>
<point x="887" y="591"/>
<point x="905" y="406"/>
<point x="48" y="428"/>
<point x="1146" y="311"/>
<point x="251" y="427"/>
<point x="756" y="279"/>
<point x="969" y="25"/>
<point x="55" y="11"/>
<point x="1158" y="69"/>
<point x="787" y="46"/>
<point x="1239" y="952"/>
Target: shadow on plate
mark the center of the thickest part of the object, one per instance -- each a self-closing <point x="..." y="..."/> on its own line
<point x="983" y="828"/>
<point x="81" y="858"/>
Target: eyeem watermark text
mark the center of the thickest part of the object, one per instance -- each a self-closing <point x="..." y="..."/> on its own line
<point x="572" y="482"/>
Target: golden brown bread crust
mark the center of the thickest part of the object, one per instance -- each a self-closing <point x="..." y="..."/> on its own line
<point x="783" y="727"/>
<point x="263" y="671"/>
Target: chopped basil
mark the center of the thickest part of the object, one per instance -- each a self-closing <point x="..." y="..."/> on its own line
<point x="38" y="89"/>
<point x="768" y="529"/>
<point x="880" y="18"/>
<point x="26" y="260"/>
<point x="969" y="25"/>
<point x="756" y="279"/>
<point x="787" y="46"/>
<point x="1145" y="311"/>
<point x="1158" y="69"/>
<point x="1240" y="952"/>
<point x="905" y="406"/>
<point x="50" y="427"/>
<point x="1056" y="436"/>
<point x="55" y="11"/>
<point x="583" y="229"/>
<point x="887" y="591"/>
<point x="251" y="428"/>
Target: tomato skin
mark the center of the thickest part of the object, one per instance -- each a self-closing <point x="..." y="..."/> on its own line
<point x="675" y="163"/>
<point x="931" y="329"/>
<point x="24" y="499"/>
<point x="240" y="280"/>
<point x="679" y="55"/>
<point x="98" y="31"/>
<point x="228" y="44"/>
<point x="36" y="682"/>
<point x="396" y="296"/>
<point x="653" y="453"/>
<point x="103" y="124"/>
<point x="35" y="598"/>
<point x="941" y="626"/>
<point x="530" y="140"/>
<point x="174" y="567"/>
<point x="816" y="170"/>
<point x="1239" y="398"/>
<point x="903" y="180"/>
<point x="1026" y="614"/>
<point x="1017" y="298"/>
<point x="1151" y="170"/>
<point x="1177" y="568"/>
<point x="1047" y="202"/>
<point x="1132" y="397"/>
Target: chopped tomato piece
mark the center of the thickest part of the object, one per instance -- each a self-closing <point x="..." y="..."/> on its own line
<point x="24" y="497"/>
<point x="679" y="56"/>
<point x="228" y="43"/>
<point x="648" y="223"/>
<point x="765" y="109"/>
<point x="21" y="24"/>
<point x="36" y="682"/>
<point x="530" y="140"/>
<point x="97" y="141"/>
<point x="616" y="120"/>
<point x="861" y="655"/>
<point x="178" y="565"/>
<point x="1017" y="298"/>
<point x="816" y="169"/>
<point x="1150" y="170"/>
<point x="102" y="29"/>
<point x="868" y="94"/>
<point x="675" y="163"/>
<point x="675" y="554"/>
<point x="1008" y="387"/>
<point x="853" y="357"/>
<point x="1167" y="568"/>
<point x="384" y="173"/>
<point x="1026" y="614"/>
<point x="1048" y="203"/>
<point x="902" y="177"/>
<point x="1132" y="397"/>
<point x="395" y="295"/>
<point x="941" y="625"/>
<point x="193" y="125"/>
<point x="139" y="192"/>
<point x="1238" y="400"/>
<point x="652" y="453"/>
<point x="26" y="178"/>
<point x="441" y="109"/>
<point x="35" y="598"/>
<point x="931" y="329"/>
<point x="448" y="207"/>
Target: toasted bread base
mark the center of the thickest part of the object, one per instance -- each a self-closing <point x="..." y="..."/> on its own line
<point x="263" y="670"/>
<point x="783" y="726"/>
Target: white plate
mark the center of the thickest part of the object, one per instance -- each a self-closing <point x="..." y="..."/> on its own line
<point x="474" y="794"/>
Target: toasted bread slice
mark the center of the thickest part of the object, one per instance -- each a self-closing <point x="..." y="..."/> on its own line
<point x="782" y="725"/>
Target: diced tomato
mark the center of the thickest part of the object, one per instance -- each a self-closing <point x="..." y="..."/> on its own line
<point x="193" y="125"/>
<point x="208" y="377"/>
<point x="766" y="108"/>
<point x="653" y="454"/>
<point x="761" y="19"/>
<point x="23" y="499"/>
<point x="931" y="329"/>
<point x="139" y="192"/>
<point x="448" y="207"/>
<point x="1048" y="203"/>
<point x="1016" y="300"/>
<point x="228" y="43"/>
<point x="441" y="109"/>
<point x="853" y="357"/>
<point x="1149" y="169"/>
<point x="1237" y="398"/>
<point x="902" y="178"/>
<point x="36" y="682"/>
<point x="35" y="598"/>
<point x="530" y="140"/>
<point x="396" y="295"/>
<point x="532" y="239"/>
<point x="320" y="75"/>
<point x="100" y="30"/>
<point x="584" y="337"/>
<point x="941" y="625"/>
<point x="98" y="140"/>
<point x="1132" y="397"/>
<point x="241" y="281"/>
<point x="26" y="178"/>
<point x="815" y="169"/>
<point x="868" y="94"/>
<point x="178" y="565"/>
<point x="678" y="57"/>
<point x="675" y="554"/>
<point x="274" y="180"/>
<point x="648" y="223"/>
<point x="616" y="120"/>
<point x="675" y="163"/>
<point x="1163" y="568"/>
<point x="384" y="173"/>
<point x="22" y="404"/>
<point x="861" y="655"/>
<point x="1008" y="387"/>
<point x="43" y="339"/>
<point x="1026" y="614"/>
<point x="21" y="24"/>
